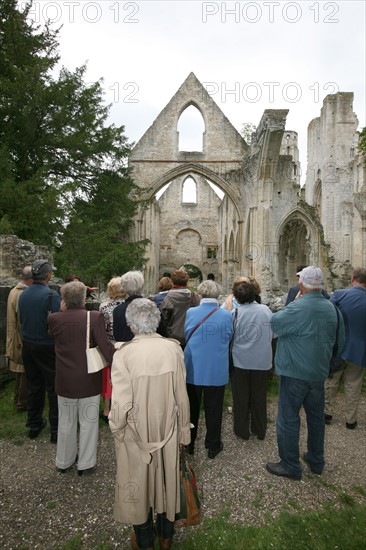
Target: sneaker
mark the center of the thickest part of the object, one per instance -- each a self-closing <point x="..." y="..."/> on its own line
<point x="35" y="433"/>
<point x="277" y="469"/>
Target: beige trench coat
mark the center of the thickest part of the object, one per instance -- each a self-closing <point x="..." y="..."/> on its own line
<point x="13" y="336"/>
<point x="149" y="418"/>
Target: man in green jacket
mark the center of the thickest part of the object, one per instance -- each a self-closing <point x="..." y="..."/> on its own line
<point x="307" y="331"/>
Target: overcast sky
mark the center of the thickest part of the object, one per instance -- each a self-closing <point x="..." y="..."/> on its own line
<point x="250" y="56"/>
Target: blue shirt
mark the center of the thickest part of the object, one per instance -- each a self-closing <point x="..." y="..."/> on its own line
<point x="35" y="302"/>
<point x="352" y="304"/>
<point x="206" y="355"/>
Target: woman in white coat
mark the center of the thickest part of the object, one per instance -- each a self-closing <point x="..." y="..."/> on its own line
<point x="149" y="419"/>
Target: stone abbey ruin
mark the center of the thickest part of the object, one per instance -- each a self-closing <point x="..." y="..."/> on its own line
<point x="265" y="224"/>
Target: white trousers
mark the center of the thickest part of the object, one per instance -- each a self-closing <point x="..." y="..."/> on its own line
<point x="70" y="411"/>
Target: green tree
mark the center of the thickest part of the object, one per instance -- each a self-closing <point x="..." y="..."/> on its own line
<point x="59" y="161"/>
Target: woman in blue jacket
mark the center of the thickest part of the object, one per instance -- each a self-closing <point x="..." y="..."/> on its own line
<point x="208" y="330"/>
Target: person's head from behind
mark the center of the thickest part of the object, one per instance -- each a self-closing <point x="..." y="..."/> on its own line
<point x="209" y="289"/>
<point x="142" y="316"/>
<point x="244" y="293"/>
<point x="114" y="289"/>
<point x="238" y="280"/>
<point x="42" y="270"/>
<point x="73" y="294"/>
<point x="179" y="277"/>
<point x="359" y="275"/>
<point x="311" y="278"/>
<point x="27" y="274"/>
<point x="164" y="284"/>
<point x="132" y="283"/>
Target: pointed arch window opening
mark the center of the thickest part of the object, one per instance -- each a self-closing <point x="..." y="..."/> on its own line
<point x="191" y="129"/>
<point x="189" y="191"/>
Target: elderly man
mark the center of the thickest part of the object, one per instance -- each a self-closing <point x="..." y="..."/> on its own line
<point x="35" y="303"/>
<point x="14" y="340"/>
<point x="149" y="419"/>
<point x="352" y="304"/>
<point x="307" y="331"/>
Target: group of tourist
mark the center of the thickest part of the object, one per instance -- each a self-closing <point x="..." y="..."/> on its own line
<point x="163" y="356"/>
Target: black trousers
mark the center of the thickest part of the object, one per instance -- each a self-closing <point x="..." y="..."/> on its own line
<point x="39" y="365"/>
<point x="213" y="400"/>
<point x="250" y="402"/>
<point x="145" y="531"/>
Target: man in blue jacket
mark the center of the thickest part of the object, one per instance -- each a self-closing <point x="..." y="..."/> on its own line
<point x="35" y="303"/>
<point x="306" y="331"/>
<point x="352" y="304"/>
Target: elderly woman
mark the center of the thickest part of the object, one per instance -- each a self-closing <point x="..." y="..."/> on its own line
<point x="149" y="419"/>
<point x="78" y="392"/>
<point x="231" y="302"/>
<point x="208" y="330"/>
<point x="116" y="296"/>
<point x="252" y="358"/>
<point x="132" y="284"/>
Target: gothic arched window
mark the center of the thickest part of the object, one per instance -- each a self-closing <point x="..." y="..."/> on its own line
<point x="191" y="127"/>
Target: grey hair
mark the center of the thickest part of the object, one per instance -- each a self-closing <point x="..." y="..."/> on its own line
<point x="142" y="316"/>
<point x="209" y="289"/>
<point x="27" y="273"/>
<point x="73" y="294"/>
<point x="132" y="282"/>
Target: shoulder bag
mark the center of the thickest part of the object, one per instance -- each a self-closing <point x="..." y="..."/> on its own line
<point x="94" y="356"/>
<point x="190" y="506"/>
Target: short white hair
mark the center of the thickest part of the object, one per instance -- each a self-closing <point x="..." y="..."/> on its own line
<point x="142" y="316"/>
<point x="132" y="282"/>
<point x="209" y="289"/>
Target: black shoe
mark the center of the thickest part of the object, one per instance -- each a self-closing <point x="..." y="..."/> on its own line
<point x="351" y="426"/>
<point x="53" y="438"/>
<point x="87" y="471"/>
<point x="277" y="469"/>
<point x="63" y="470"/>
<point x="212" y="454"/>
<point x="190" y="448"/>
<point x="314" y="471"/>
<point x="328" y="418"/>
<point x="35" y="433"/>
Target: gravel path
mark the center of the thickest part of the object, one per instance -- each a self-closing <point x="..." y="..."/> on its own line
<point x="42" y="508"/>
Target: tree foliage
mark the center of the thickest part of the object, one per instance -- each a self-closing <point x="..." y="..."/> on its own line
<point x="64" y="181"/>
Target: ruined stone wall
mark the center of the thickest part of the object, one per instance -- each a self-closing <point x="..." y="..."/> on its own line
<point x="14" y="255"/>
<point x="331" y="180"/>
<point x="189" y="230"/>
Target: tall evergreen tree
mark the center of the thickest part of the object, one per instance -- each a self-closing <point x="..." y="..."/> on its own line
<point x="60" y="163"/>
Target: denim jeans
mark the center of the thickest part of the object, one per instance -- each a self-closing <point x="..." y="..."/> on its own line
<point x="293" y="394"/>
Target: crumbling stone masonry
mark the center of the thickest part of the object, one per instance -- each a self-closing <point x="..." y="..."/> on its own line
<point x="266" y="223"/>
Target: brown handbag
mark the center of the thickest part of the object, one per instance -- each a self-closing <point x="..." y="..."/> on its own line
<point x="190" y="506"/>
